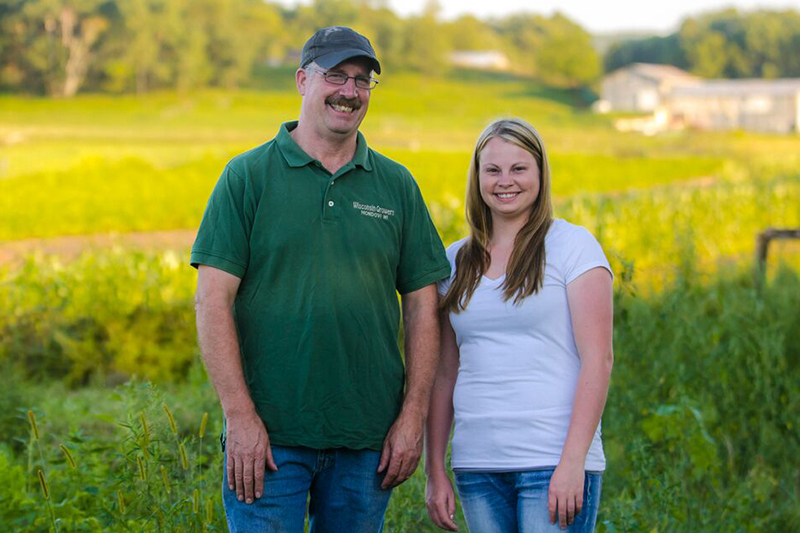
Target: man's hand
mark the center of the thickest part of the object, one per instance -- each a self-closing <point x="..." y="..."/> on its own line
<point x="246" y="439"/>
<point x="248" y="450"/>
<point x="402" y="448"/>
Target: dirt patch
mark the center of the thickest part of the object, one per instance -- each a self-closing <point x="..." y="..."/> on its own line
<point x="15" y="252"/>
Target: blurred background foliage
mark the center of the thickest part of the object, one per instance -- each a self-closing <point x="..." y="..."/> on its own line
<point x="61" y="47"/>
<point x="722" y="44"/>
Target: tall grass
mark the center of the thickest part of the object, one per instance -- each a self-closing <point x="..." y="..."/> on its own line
<point x="702" y="415"/>
<point x="700" y="427"/>
<point x="139" y="474"/>
<point x="106" y="317"/>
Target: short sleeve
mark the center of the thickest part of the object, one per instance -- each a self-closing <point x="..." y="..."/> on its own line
<point x="223" y="240"/>
<point x="422" y="257"/>
<point x="443" y="285"/>
<point x="583" y="254"/>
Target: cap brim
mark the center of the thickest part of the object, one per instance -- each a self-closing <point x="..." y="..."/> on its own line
<point x="332" y="59"/>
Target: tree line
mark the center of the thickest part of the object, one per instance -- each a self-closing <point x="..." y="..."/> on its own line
<point x="722" y="44"/>
<point x="61" y="47"/>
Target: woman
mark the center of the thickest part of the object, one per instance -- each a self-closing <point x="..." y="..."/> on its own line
<point x="526" y="353"/>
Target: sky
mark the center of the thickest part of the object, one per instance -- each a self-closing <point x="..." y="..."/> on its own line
<point x="596" y="16"/>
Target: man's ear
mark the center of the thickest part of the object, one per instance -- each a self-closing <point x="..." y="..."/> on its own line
<point x="301" y="78"/>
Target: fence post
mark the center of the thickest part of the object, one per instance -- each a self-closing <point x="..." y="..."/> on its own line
<point x="762" y="247"/>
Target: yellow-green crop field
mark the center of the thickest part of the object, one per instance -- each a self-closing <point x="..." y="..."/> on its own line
<point x="99" y="199"/>
<point x="97" y="164"/>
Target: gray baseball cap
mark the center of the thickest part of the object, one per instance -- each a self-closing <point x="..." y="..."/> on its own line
<point x="330" y="46"/>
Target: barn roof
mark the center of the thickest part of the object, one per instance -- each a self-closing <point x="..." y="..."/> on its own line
<point x="746" y="87"/>
<point x="657" y="73"/>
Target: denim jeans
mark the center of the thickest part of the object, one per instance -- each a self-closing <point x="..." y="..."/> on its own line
<point x="340" y="486"/>
<point x="511" y="502"/>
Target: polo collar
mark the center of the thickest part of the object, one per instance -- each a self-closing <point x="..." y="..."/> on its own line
<point x="297" y="157"/>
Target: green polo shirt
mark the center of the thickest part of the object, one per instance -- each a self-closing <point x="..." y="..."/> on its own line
<point x="321" y="258"/>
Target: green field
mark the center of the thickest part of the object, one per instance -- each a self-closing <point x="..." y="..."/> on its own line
<point x="700" y="428"/>
<point x="99" y="164"/>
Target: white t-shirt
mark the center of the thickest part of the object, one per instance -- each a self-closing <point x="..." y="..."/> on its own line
<point x="519" y="365"/>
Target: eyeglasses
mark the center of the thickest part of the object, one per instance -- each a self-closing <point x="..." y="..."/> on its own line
<point x="340" y="78"/>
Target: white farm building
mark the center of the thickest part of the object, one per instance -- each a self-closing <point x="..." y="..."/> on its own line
<point x="769" y="106"/>
<point x="480" y="59"/>
<point x="642" y="87"/>
<point x="682" y="100"/>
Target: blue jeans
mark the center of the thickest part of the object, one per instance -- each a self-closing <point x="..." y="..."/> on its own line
<point x="344" y="488"/>
<point x="511" y="502"/>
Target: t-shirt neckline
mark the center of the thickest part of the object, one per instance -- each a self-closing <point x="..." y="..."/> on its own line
<point x="493" y="281"/>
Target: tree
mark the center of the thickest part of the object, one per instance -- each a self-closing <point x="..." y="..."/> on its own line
<point x="733" y="44"/>
<point x="151" y="32"/>
<point x="660" y="50"/>
<point x="566" y="57"/>
<point x="524" y="34"/>
<point x="707" y="55"/>
<point x="386" y="32"/>
<point x="60" y="47"/>
<point x="725" y="43"/>
<point x="54" y="42"/>
<point x="426" y="46"/>
<point x="324" y="13"/>
<point x="469" y="33"/>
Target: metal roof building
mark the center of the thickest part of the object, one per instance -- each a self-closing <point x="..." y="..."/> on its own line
<point x="642" y="87"/>
<point x="770" y="106"/>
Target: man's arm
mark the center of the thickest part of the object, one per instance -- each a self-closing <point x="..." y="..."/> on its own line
<point x="403" y="444"/>
<point x="247" y="442"/>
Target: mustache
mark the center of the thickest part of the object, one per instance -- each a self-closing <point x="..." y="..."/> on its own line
<point x="355" y="103"/>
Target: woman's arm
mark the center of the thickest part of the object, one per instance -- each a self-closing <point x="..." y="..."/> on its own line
<point x="590" y="299"/>
<point x="440" y="498"/>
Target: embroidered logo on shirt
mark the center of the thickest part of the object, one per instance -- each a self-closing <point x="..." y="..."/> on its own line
<point x="374" y="211"/>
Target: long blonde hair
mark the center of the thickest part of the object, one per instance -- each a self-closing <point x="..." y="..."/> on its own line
<point x="525" y="269"/>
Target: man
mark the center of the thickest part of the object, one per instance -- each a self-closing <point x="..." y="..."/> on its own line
<point x="303" y="245"/>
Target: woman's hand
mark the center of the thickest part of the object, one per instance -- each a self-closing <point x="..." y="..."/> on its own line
<point x="441" y="501"/>
<point x="565" y="496"/>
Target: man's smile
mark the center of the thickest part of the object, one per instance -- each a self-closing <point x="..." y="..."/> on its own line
<point x="341" y="108"/>
<point x="344" y="105"/>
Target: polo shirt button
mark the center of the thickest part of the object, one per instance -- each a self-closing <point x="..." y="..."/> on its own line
<point x="330" y="204"/>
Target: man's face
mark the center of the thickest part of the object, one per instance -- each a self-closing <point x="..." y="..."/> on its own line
<point x="334" y="111"/>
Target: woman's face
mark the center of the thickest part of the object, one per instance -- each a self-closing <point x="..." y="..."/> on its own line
<point x="509" y="179"/>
